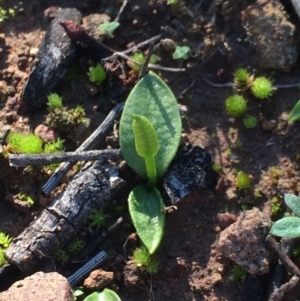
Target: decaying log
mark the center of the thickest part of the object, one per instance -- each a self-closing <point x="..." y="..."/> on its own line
<point x="61" y="220"/>
<point x="53" y="57"/>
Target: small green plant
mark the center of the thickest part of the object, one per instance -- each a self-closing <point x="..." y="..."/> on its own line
<point x="181" y="52"/>
<point x="97" y="74"/>
<point x="276" y="205"/>
<point x="105" y="295"/>
<point x="150" y="133"/>
<point x="250" y="121"/>
<point x="262" y="87"/>
<point x="25" y="144"/>
<point x="98" y="219"/>
<point x="54" y="147"/>
<point x="288" y="226"/>
<point x="241" y="75"/>
<point x="62" y="256"/>
<point x="75" y="246"/>
<point x="54" y="101"/>
<point x="216" y="167"/>
<point x="295" y="113"/>
<point x="235" y="105"/>
<point x="140" y="58"/>
<point x="237" y="273"/>
<point x="108" y="27"/>
<point x="27" y="198"/>
<point x="5" y="240"/>
<point x="172" y="1"/>
<point x="2" y="257"/>
<point x="62" y="118"/>
<point x="142" y="258"/>
<point x="243" y="180"/>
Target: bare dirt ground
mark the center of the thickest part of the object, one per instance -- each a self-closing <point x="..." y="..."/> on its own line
<point x="191" y="267"/>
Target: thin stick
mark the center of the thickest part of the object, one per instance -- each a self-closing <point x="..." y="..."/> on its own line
<point x="278" y="294"/>
<point x="147" y="60"/>
<point x="138" y="46"/>
<point x="121" y="10"/>
<point x="288" y="263"/>
<point x="17" y="160"/>
<point x="150" y="66"/>
<point x="86" y="145"/>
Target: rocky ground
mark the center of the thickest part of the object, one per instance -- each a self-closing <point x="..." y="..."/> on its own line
<point x="212" y="231"/>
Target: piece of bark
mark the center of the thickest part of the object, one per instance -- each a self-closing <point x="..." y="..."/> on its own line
<point x="53" y="57"/>
<point x="59" y="223"/>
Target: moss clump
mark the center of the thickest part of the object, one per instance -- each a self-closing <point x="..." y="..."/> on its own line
<point x="140" y="58"/>
<point x="250" y="122"/>
<point x="243" y="180"/>
<point x="142" y="258"/>
<point x="54" y="101"/>
<point x="97" y="74"/>
<point x="236" y="105"/>
<point x="262" y="87"/>
<point x="25" y="144"/>
<point x="241" y="75"/>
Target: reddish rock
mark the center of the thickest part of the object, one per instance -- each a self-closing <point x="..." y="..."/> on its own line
<point x="133" y="277"/>
<point x="46" y="134"/>
<point x="98" y="279"/>
<point x="39" y="286"/>
<point x="226" y="219"/>
<point x="244" y="241"/>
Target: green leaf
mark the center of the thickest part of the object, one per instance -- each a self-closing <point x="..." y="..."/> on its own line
<point x="181" y="52"/>
<point x="153" y="99"/>
<point x="293" y="202"/>
<point x="92" y="297"/>
<point x="146" y="142"/>
<point x="146" y="208"/>
<point x="287" y="227"/>
<point x="295" y="113"/>
<point x="108" y="295"/>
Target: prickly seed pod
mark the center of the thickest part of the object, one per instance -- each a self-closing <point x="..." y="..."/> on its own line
<point x="243" y="180"/>
<point x="236" y="105"/>
<point x="262" y="87"/>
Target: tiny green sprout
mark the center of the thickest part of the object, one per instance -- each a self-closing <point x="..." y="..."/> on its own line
<point x="108" y="27"/>
<point x="276" y="205"/>
<point x="97" y="74"/>
<point x="172" y="1"/>
<point x="2" y="258"/>
<point x="262" y="87"/>
<point x="243" y="180"/>
<point x="75" y="246"/>
<point x="27" y="198"/>
<point x="25" y="144"/>
<point x="62" y="256"/>
<point x="98" y="219"/>
<point x="250" y="121"/>
<point x="241" y="75"/>
<point x="55" y="146"/>
<point x="3" y="15"/>
<point x="237" y="273"/>
<point x="181" y="52"/>
<point x="142" y="258"/>
<point x="54" y="101"/>
<point x="140" y="58"/>
<point x="5" y="240"/>
<point x="146" y="144"/>
<point x="216" y="167"/>
<point x="236" y="105"/>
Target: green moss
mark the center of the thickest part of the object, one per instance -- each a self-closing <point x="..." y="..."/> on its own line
<point x="54" y="147"/>
<point x="140" y="58"/>
<point x="241" y="75"/>
<point x="262" y="87"/>
<point x="142" y="258"/>
<point x="250" y="122"/>
<point x="54" y="101"/>
<point x="25" y="144"/>
<point x="236" y="105"/>
<point x="243" y="180"/>
<point x="97" y="74"/>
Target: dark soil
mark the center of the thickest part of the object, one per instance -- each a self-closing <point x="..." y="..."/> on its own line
<point x="191" y="267"/>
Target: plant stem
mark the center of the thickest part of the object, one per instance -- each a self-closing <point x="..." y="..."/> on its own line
<point x="151" y="170"/>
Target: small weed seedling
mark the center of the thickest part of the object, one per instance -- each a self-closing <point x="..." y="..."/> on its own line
<point x="181" y="52"/>
<point x="108" y="27"/>
<point x="140" y="58"/>
<point x="5" y="241"/>
<point x="250" y="122"/>
<point x="26" y="198"/>
<point x="97" y="74"/>
<point x="295" y="113"/>
<point x="98" y="219"/>
<point x="237" y="273"/>
<point x="142" y="258"/>
<point x="288" y="226"/>
<point x="150" y="133"/>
